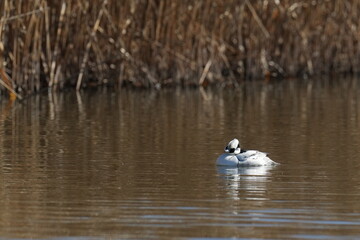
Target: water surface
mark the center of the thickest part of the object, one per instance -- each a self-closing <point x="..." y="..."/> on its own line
<point x="141" y="164"/>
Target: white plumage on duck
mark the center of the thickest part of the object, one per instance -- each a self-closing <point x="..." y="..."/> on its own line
<point x="235" y="156"/>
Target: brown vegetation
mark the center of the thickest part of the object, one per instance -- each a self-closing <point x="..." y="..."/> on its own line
<point x="48" y="43"/>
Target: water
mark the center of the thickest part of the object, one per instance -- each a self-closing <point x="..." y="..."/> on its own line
<point x="141" y="164"/>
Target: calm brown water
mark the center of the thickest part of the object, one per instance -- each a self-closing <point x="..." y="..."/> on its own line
<point x="141" y="164"/>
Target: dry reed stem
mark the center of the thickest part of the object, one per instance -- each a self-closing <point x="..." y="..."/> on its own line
<point x="47" y="61"/>
<point x="139" y="65"/>
<point x="257" y="18"/>
<point x="57" y="47"/>
<point x="40" y="10"/>
<point x="7" y="83"/>
<point x="4" y="79"/>
<point x="205" y="72"/>
<point x="88" y="45"/>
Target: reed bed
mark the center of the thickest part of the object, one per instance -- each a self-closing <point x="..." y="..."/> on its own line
<point x="154" y="43"/>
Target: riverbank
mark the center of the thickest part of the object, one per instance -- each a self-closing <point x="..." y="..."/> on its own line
<point x="57" y="44"/>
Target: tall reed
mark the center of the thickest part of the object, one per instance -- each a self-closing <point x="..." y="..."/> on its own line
<point x="152" y="43"/>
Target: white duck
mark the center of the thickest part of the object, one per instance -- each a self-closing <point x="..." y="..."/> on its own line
<point x="235" y="156"/>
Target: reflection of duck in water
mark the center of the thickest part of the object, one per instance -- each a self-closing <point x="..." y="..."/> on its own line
<point x="245" y="182"/>
<point x="250" y="173"/>
<point x="235" y="156"/>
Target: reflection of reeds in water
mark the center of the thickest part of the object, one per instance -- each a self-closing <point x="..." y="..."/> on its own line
<point x="151" y="43"/>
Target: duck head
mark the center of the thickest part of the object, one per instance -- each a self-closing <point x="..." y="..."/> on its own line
<point x="233" y="147"/>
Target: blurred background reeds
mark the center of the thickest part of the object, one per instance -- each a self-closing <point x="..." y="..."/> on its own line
<point x="156" y="43"/>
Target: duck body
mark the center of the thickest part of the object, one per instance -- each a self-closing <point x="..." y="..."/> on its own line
<point x="234" y="156"/>
<point x="246" y="158"/>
